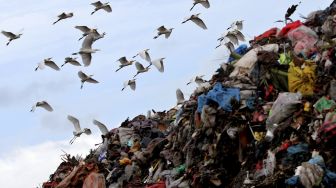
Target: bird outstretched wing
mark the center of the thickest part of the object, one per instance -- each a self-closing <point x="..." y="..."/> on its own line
<point x="46" y="106"/>
<point x="205" y="4"/>
<point x="82" y="75"/>
<point x="179" y="96"/>
<point x="145" y="55"/>
<point x="199" y="22"/>
<point x="62" y="15"/>
<point x="88" y="41"/>
<point x="97" y="4"/>
<point x="103" y="129"/>
<point x="86" y="58"/>
<point x="139" y="66"/>
<point x="91" y="80"/>
<point x="75" y="123"/>
<point x="107" y="8"/>
<point x="158" y="63"/>
<point x="132" y="84"/>
<point x="123" y="60"/>
<point x="162" y="29"/>
<point x="83" y="28"/>
<point x="52" y="65"/>
<point x="8" y="34"/>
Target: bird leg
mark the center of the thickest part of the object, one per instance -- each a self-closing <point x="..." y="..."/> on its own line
<point x="56" y="21"/>
<point x="82" y="85"/>
<point x="136" y="75"/>
<point x="192" y="6"/>
<point x="93" y="12"/>
<point x="82" y="37"/>
<point x="118" y="69"/>
<point x="63" y="64"/>
<point x="72" y="140"/>
<point x="135" y="56"/>
<point x="156" y="36"/>
<point x="10" y="40"/>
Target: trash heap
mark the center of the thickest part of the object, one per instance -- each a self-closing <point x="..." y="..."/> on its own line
<point x="266" y="119"/>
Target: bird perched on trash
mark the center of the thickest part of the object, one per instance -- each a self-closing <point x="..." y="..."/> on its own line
<point x="144" y="55"/>
<point x="205" y="3"/>
<point x="236" y="25"/>
<point x="179" y="96"/>
<point x="163" y="31"/>
<point x="103" y="129"/>
<point x="124" y="62"/>
<point x="86" y="50"/>
<point x="86" y="78"/>
<point x="47" y="62"/>
<point x="43" y="104"/>
<point x="78" y="131"/>
<point x="11" y="36"/>
<point x="86" y="31"/>
<point x="158" y="63"/>
<point x="140" y="68"/>
<point x="130" y="83"/>
<point x="63" y="16"/>
<point x="72" y="61"/>
<point x="198" y="21"/>
<point x="99" y="5"/>
<point x="197" y="79"/>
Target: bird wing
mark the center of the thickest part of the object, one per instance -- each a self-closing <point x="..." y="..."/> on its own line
<point x="82" y="75"/>
<point x="162" y="29"/>
<point x="97" y="4"/>
<point x="167" y="34"/>
<point x="179" y="96"/>
<point x="52" y="65"/>
<point x="126" y="83"/>
<point x="159" y="64"/>
<point x="91" y="80"/>
<point x="145" y="55"/>
<point x="107" y="8"/>
<point x="233" y="38"/>
<point x="199" y="22"/>
<point x="62" y="15"/>
<point x="83" y="28"/>
<point x="103" y="129"/>
<point x="86" y="58"/>
<point x="8" y="34"/>
<point x="205" y="4"/>
<point x="240" y="35"/>
<point x="290" y="11"/>
<point x="88" y="41"/>
<point x="139" y="66"/>
<point x="41" y="65"/>
<point x="74" y="62"/>
<point x="132" y="84"/>
<point x="75" y="122"/>
<point x="230" y="46"/>
<point x="46" y="106"/>
<point x="239" y="25"/>
<point x="123" y="60"/>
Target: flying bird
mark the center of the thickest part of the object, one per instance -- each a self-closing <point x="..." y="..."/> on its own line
<point x="43" y="104"/>
<point x="205" y="3"/>
<point x="86" y="31"/>
<point x="78" y="131"/>
<point x="291" y="10"/>
<point x="197" y="79"/>
<point x="140" y="68"/>
<point x="124" y="62"/>
<point x="86" y="50"/>
<point x="194" y="18"/>
<point x="163" y="31"/>
<point x="63" y="16"/>
<point x="103" y="129"/>
<point x="11" y="36"/>
<point x="47" y="62"/>
<point x="86" y="78"/>
<point x="130" y="83"/>
<point x="179" y="97"/>
<point x="99" y="5"/>
<point x="144" y="55"/>
<point x="236" y="25"/>
<point x="72" y="61"/>
<point x="158" y="63"/>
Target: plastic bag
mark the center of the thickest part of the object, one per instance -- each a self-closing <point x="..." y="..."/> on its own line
<point x="302" y="79"/>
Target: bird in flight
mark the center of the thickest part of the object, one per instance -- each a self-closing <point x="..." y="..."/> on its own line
<point x="130" y="83"/>
<point x="63" y="16"/>
<point x="78" y="131"/>
<point x="205" y="3"/>
<point x="49" y="63"/>
<point x="99" y="5"/>
<point x="124" y="62"/>
<point x="179" y="96"/>
<point x="163" y="31"/>
<point x="86" y="50"/>
<point x="197" y="79"/>
<point x="144" y="55"/>
<point x="158" y="63"/>
<point x="86" y="78"/>
<point x="140" y="68"/>
<point x="103" y="129"/>
<point x="44" y="104"/>
<point x="11" y="36"/>
<point x="72" y="61"/>
<point x="198" y="21"/>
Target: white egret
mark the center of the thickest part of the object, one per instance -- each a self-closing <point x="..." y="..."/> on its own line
<point x="86" y="50"/>
<point x="130" y="83"/>
<point x="197" y="79"/>
<point x="99" y="5"/>
<point x="163" y="31"/>
<point x="205" y="3"/>
<point x="86" y="31"/>
<point x="86" y="78"/>
<point x="198" y="21"/>
<point x="44" y="104"/>
<point x="179" y="96"/>
<point x="78" y="131"/>
<point x="63" y="16"/>
<point x="72" y="61"/>
<point x="103" y="129"/>
<point x="236" y="25"/>
<point x="124" y="62"/>
<point x="11" y="36"/>
<point x="158" y="63"/>
<point x="47" y="62"/>
<point x="144" y="55"/>
<point x="140" y="68"/>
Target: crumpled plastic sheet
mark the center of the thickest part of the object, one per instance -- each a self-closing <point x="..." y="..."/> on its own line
<point x="303" y="39"/>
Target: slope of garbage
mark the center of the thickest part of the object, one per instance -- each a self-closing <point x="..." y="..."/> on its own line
<point x="266" y="119"/>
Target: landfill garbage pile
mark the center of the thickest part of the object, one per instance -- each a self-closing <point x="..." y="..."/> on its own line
<point x="266" y="119"/>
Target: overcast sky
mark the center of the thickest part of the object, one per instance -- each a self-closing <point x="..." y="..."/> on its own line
<point x="34" y="140"/>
